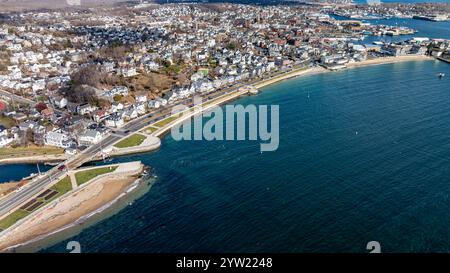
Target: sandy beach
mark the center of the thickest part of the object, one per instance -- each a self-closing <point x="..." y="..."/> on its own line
<point x="316" y="70"/>
<point x="388" y="60"/>
<point x="292" y="74"/>
<point x="68" y="210"/>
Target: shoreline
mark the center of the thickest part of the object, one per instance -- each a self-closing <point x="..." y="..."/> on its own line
<point x="71" y="213"/>
<point x="137" y="189"/>
<point x="300" y="72"/>
<point x="290" y="75"/>
<point x="319" y="69"/>
<point x="390" y="60"/>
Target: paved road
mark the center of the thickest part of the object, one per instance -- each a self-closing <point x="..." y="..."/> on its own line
<point x="16" y="199"/>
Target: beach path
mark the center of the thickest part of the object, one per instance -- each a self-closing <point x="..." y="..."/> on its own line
<point x="73" y="180"/>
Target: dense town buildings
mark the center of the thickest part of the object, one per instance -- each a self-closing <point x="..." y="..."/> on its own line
<point x="84" y="75"/>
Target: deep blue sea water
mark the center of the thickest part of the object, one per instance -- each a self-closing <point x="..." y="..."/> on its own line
<point x="15" y="172"/>
<point x="428" y="29"/>
<point x="432" y="30"/>
<point x="403" y="1"/>
<point x="364" y="155"/>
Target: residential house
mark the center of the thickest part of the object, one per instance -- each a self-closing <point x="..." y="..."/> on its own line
<point x="396" y="49"/>
<point x="117" y="106"/>
<point x="47" y="113"/>
<point x="73" y="107"/>
<point x="39" y="135"/>
<point x="108" y="67"/>
<point x="99" y="115"/>
<point x="3" y="131"/>
<point x="60" y="102"/>
<point x="34" y="114"/>
<point x="141" y="98"/>
<point x="141" y="108"/>
<point x="154" y="104"/>
<point x="28" y="125"/>
<point x="128" y="72"/>
<point x="114" y="120"/>
<point x="86" y="109"/>
<point x="57" y="139"/>
<point x="38" y="85"/>
<point x="131" y="113"/>
<point x="76" y="126"/>
<point x="4" y="141"/>
<point x="90" y="137"/>
<point x="118" y="90"/>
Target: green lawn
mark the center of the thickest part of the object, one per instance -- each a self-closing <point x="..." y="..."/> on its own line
<point x="29" y="151"/>
<point x="63" y="186"/>
<point x="13" y="218"/>
<point x="132" y="141"/>
<point x="166" y="121"/>
<point x="85" y="176"/>
<point x="7" y="122"/>
<point x="174" y="68"/>
<point x="149" y="130"/>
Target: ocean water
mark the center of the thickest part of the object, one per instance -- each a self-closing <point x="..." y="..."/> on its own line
<point x="432" y="30"/>
<point x="15" y="172"/>
<point x="403" y="1"/>
<point x="364" y="155"/>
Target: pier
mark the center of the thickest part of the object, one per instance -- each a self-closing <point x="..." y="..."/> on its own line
<point x="443" y="59"/>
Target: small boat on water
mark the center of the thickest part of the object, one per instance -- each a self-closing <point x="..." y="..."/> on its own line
<point x="441" y="75"/>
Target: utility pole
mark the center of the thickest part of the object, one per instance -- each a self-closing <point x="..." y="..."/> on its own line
<point x="101" y="151"/>
<point x="39" y="171"/>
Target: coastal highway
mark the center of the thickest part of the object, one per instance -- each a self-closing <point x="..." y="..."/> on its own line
<point x="16" y="199"/>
